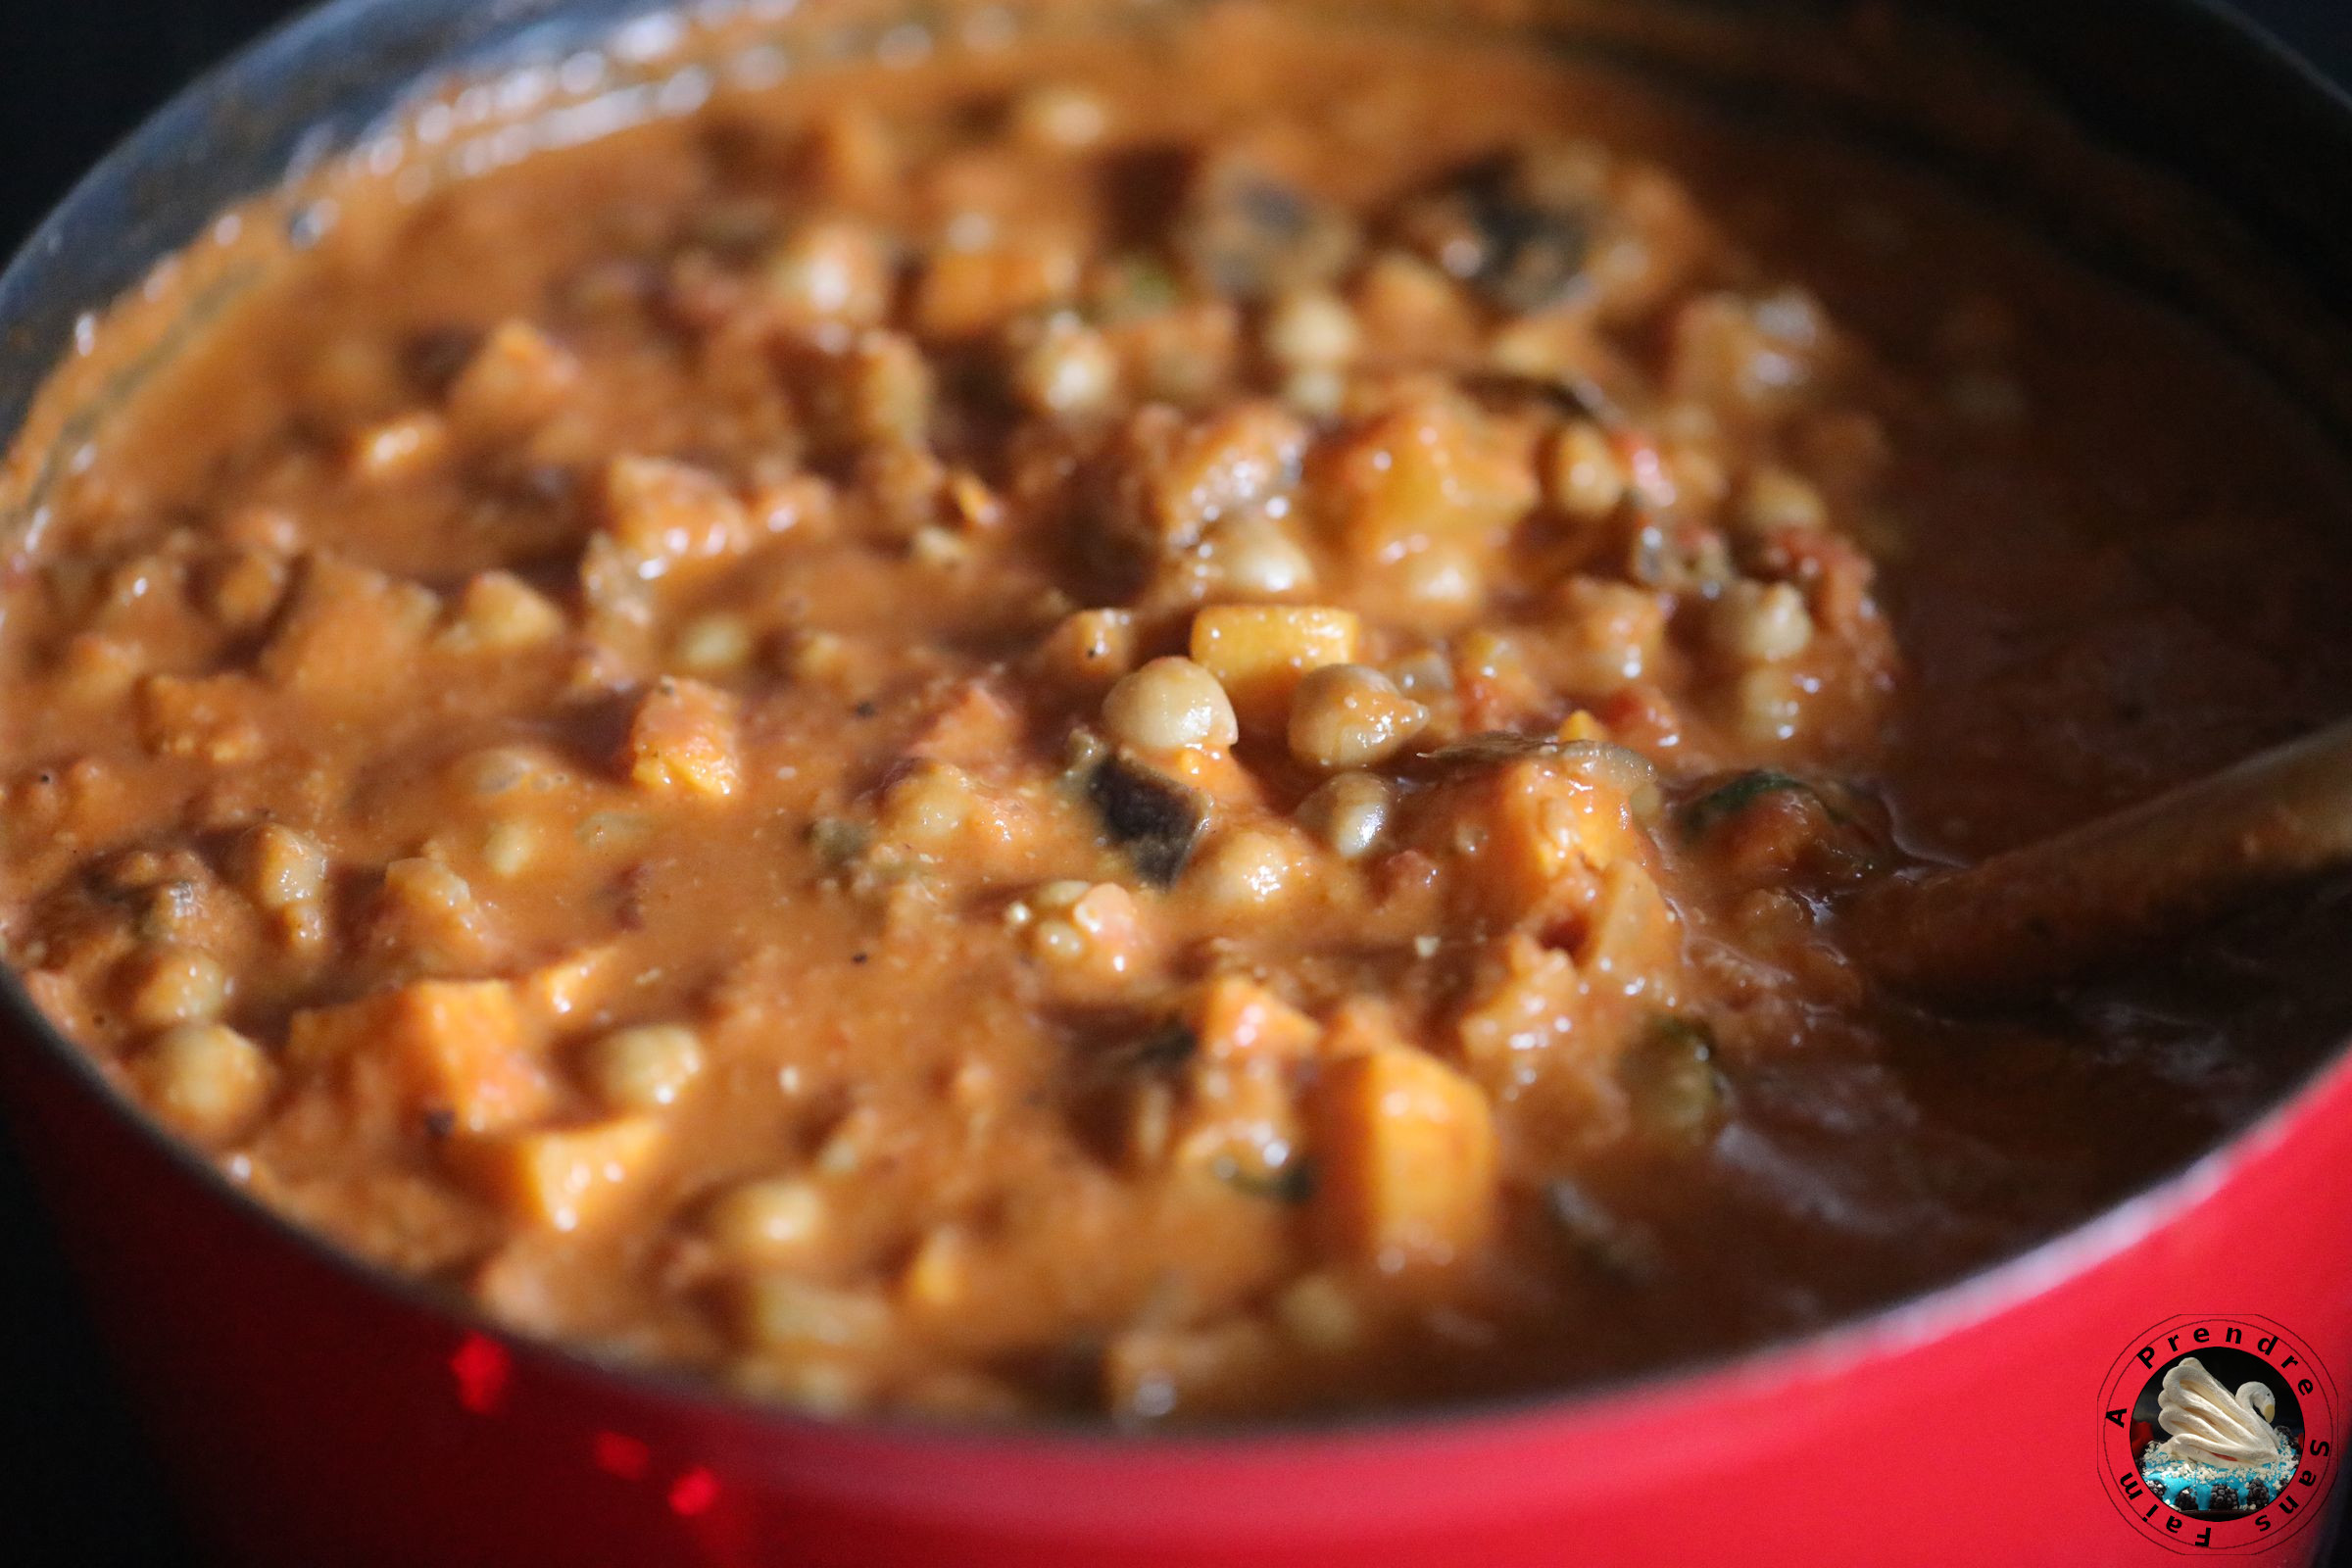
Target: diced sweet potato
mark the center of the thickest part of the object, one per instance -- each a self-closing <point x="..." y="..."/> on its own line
<point x="1632" y="940"/>
<point x="683" y="739"/>
<point x="1535" y="1027"/>
<point x="215" y="718"/>
<point x="566" y="1179"/>
<point x="1235" y="1016"/>
<point x="1176" y="477"/>
<point x="460" y="1046"/>
<point x="973" y="729"/>
<point x="1529" y="840"/>
<point x="350" y="632"/>
<point x="1406" y="1152"/>
<point x="576" y="983"/>
<point x="1431" y="468"/>
<point x="662" y="512"/>
<point x="1527" y="997"/>
<point x="1260" y="652"/>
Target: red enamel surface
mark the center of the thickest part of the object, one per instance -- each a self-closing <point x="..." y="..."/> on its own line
<point x="313" y="1417"/>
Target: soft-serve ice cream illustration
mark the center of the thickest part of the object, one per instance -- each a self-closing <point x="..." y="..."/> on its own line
<point x="2219" y="1450"/>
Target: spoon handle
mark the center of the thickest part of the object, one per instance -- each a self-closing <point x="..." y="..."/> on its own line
<point x="2034" y="915"/>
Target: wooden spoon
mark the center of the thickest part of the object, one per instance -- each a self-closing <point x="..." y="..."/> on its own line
<point x="2118" y="884"/>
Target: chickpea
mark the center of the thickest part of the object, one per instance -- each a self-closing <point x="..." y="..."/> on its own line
<point x="1168" y="704"/>
<point x="783" y="1313"/>
<point x="422" y="886"/>
<point x="499" y="613"/>
<point x="205" y="1080"/>
<point x="1767" y="706"/>
<point x="1612" y="633"/>
<point x="1774" y="500"/>
<point x="1068" y="368"/>
<point x="1311" y="330"/>
<point x="1060" y="118"/>
<point x="509" y="846"/>
<point x="1317" y="391"/>
<point x="1423" y="674"/>
<point x="644" y="1068"/>
<point x="1255" y="557"/>
<point x="1091" y="647"/>
<point x="1350" y="812"/>
<point x="1582" y="472"/>
<point x="177" y="986"/>
<point x="831" y="273"/>
<point x="1761" y="623"/>
<point x="1072" y="922"/>
<point x="1062" y="895"/>
<point x="1350" y="715"/>
<point x="716" y="644"/>
<point x="283" y="868"/>
<point x="767" y="1223"/>
<point x="1248" y="870"/>
<point x="1442" y="583"/>
<point x="930" y="807"/>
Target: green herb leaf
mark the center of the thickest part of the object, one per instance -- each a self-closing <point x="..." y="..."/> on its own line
<point x="1292" y="1183"/>
<point x="1728" y="800"/>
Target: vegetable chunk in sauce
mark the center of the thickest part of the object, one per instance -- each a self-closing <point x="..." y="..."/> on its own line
<point x="1160" y="728"/>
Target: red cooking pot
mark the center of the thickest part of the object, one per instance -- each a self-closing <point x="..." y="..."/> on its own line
<point x="314" y="1413"/>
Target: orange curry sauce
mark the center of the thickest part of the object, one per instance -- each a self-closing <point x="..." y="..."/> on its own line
<point x="1167" y="728"/>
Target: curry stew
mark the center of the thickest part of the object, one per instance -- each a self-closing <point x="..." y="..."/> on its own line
<point x="1169" y="729"/>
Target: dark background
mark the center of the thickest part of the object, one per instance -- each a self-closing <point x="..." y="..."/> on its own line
<point x="75" y="1486"/>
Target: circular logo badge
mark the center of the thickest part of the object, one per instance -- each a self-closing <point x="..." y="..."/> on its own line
<point x="2218" y="1434"/>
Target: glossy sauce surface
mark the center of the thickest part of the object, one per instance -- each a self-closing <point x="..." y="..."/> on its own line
<point x="1170" y="728"/>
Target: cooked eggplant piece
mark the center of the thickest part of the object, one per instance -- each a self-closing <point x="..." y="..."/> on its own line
<point x="1520" y="241"/>
<point x="1152" y="817"/>
<point x="1248" y="233"/>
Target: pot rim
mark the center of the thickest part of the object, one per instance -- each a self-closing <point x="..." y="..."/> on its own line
<point x="1880" y="1333"/>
